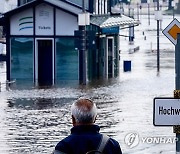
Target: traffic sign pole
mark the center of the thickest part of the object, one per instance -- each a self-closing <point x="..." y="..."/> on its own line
<point x="172" y="32"/>
<point x="177" y="91"/>
<point x="158" y="54"/>
<point x="176" y="129"/>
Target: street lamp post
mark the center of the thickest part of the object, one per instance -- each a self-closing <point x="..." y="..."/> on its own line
<point x="129" y="9"/>
<point x="173" y="6"/>
<point x="158" y="54"/>
<point x="137" y="11"/>
<point x="148" y="1"/>
<point x="83" y="21"/>
<point x="160" y="5"/>
<point x="140" y="7"/>
<point x="158" y="17"/>
<point x="131" y="28"/>
<point x="177" y="68"/>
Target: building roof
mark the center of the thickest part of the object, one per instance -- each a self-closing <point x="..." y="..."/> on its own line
<point x="62" y="4"/>
<point x="67" y="5"/>
<point x="101" y="21"/>
<point x="79" y="2"/>
<point x="122" y="21"/>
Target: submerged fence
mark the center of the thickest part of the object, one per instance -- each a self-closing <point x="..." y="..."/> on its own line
<point x="7" y="84"/>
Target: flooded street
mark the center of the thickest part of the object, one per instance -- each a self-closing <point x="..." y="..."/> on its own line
<point x="33" y="121"/>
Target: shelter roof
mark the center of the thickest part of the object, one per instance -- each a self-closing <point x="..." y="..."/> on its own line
<point x="122" y="21"/>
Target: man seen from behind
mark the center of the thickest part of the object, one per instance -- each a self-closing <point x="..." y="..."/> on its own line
<point x="85" y="137"/>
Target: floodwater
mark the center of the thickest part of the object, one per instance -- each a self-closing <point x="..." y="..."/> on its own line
<point x="33" y="121"/>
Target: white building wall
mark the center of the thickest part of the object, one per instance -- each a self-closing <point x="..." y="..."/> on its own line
<point x="22" y="23"/>
<point x="44" y="20"/>
<point x="66" y="23"/>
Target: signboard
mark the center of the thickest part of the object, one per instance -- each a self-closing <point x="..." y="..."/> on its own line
<point x="110" y="30"/>
<point x="172" y="30"/>
<point x="166" y="112"/>
<point x="44" y="20"/>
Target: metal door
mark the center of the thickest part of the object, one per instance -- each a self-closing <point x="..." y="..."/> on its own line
<point x="45" y="62"/>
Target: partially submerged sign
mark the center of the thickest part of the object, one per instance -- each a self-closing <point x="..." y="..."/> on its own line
<point x="166" y="112"/>
<point x="172" y="30"/>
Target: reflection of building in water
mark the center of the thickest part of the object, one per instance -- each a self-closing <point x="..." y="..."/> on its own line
<point x="44" y="41"/>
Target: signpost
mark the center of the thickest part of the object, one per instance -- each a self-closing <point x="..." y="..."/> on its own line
<point x="158" y="17"/>
<point x="166" y="112"/>
<point x="172" y="31"/>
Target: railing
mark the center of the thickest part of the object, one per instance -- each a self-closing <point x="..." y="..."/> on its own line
<point x="7" y="83"/>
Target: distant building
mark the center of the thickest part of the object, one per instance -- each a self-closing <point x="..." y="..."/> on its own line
<point x="43" y="45"/>
<point x="22" y="2"/>
<point x="6" y="5"/>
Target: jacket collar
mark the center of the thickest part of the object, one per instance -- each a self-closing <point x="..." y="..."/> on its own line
<point x="85" y="129"/>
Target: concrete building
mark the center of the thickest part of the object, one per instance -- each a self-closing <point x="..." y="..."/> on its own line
<point x="43" y="41"/>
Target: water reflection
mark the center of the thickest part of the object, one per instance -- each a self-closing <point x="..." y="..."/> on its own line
<point x="35" y="125"/>
<point x="38" y="124"/>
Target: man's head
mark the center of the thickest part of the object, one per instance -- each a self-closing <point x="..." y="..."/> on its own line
<point x="83" y="112"/>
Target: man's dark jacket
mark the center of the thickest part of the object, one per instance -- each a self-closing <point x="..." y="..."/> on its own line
<point x="85" y="138"/>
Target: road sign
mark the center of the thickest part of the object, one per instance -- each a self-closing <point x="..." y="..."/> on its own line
<point x="166" y="112"/>
<point x="172" y="30"/>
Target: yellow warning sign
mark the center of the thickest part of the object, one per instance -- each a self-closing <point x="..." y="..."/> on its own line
<point x="172" y="30"/>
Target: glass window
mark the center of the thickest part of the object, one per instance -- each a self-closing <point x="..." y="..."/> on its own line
<point x="22" y="59"/>
<point x="66" y="59"/>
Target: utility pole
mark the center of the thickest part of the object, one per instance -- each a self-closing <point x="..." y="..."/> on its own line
<point x="160" y="8"/>
<point x="158" y="17"/>
<point x="131" y="28"/>
<point x="83" y="21"/>
<point x="173" y="6"/>
<point x="148" y="1"/>
<point x="140" y="7"/>
<point x="137" y="11"/>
